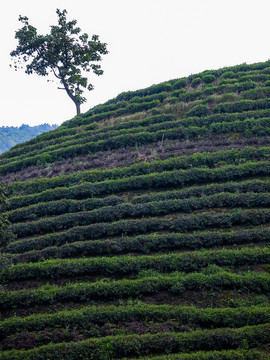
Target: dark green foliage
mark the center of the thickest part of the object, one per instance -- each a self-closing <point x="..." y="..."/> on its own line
<point x="120" y="346"/>
<point x="228" y="75"/>
<point x="142" y="226"/>
<point x="163" y="179"/>
<point x="200" y="110"/>
<point x="87" y="316"/>
<point x="240" y="354"/>
<point x="242" y="105"/>
<point x="208" y="78"/>
<point x="5" y="234"/>
<point x="125" y="211"/>
<point x="195" y="82"/>
<point x="61" y="207"/>
<point x="146" y="244"/>
<point x="127" y="265"/>
<point x="68" y="205"/>
<point x="174" y="283"/>
<point x="180" y="84"/>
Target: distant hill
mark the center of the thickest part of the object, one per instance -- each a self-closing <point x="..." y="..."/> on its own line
<point x="12" y="135"/>
<point x="143" y="227"/>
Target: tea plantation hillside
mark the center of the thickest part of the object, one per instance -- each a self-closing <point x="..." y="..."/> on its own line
<point x="143" y="227"/>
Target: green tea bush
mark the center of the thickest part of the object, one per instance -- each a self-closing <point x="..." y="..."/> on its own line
<point x="184" y="162"/>
<point x="57" y="207"/>
<point x="176" y="283"/>
<point x="126" y="265"/>
<point x="88" y="315"/>
<point x="242" y="105"/>
<point x="126" y="211"/>
<point x="214" y="355"/>
<point x="180" y="84"/>
<point x="149" y="181"/>
<point x="199" y="110"/>
<point x="228" y="75"/>
<point x="201" y="221"/>
<point x="195" y="82"/>
<point x="62" y="206"/>
<point x="146" y="244"/>
<point x="208" y="78"/>
<point x="115" y="347"/>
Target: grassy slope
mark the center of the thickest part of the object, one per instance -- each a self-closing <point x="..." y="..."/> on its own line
<point x="143" y="226"/>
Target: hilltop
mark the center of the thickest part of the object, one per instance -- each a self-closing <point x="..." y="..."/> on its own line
<point x="142" y="226"/>
<point x="12" y="135"/>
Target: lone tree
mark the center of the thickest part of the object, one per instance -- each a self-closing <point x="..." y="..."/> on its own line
<point x="64" y="52"/>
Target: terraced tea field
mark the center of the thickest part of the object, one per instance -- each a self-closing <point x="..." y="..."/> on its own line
<point x="142" y="227"/>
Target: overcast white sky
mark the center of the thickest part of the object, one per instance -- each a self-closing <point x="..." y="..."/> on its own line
<point x="150" y="41"/>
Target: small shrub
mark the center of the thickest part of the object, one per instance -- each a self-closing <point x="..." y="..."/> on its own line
<point x="199" y="110"/>
<point x="208" y="79"/>
<point x="228" y="75"/>
<point x="180" y="84"/>
<point x="195" y="82"/>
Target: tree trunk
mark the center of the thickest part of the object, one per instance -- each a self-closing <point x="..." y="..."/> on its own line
<point x="73" y="98"/>
<point x="78" y="108"/>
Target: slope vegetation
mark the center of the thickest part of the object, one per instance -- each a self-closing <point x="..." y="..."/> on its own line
<point x="142" y="227"/>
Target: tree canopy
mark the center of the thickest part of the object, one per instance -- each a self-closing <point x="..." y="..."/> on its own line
<point x="65" y="52"/>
